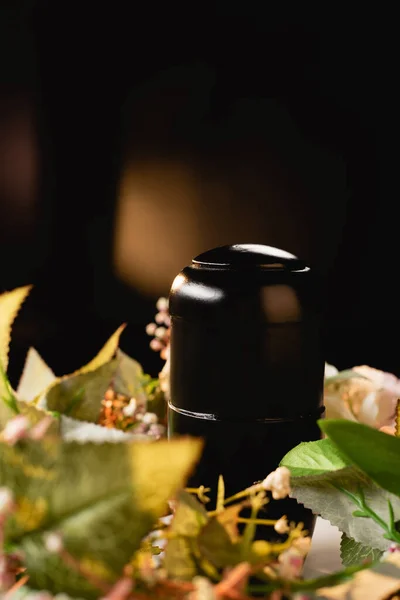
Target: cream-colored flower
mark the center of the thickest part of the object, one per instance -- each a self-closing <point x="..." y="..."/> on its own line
<point x="278" y="483"/>
<point x="369" y="397"/>
<point x="204" y="589"/>
<point x="290" y="564"/>
<point x="302" y="545"/>
<point x="282" y="525"/>
<point x="6" y="501"/>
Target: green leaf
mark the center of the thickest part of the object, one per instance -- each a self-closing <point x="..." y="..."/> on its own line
<point x="189" y="517"/>
<point x="314" y="458"/>
<point x="80" y="395"/>
<point x="102" y="498"/>
<point x="128" y="378"/>
<point x="36" y="377"/>
<point x="354" y="553"/>
<point x="216" y="546"/>
<point x="320" y="493"/>
<point x="373" y="452"/>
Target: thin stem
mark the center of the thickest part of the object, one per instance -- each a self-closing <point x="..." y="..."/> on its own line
<point x="390" y="530"/>
<point x="257" y="521"/>
<point x="243" y="494"/>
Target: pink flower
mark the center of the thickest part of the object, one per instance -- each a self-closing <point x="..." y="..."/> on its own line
<point x="15" y="430"/>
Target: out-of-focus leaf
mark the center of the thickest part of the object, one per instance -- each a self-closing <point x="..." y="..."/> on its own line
<point x="216" y="546"/>
<point x="69" y="386"/>
<point x="397" y="419"/>
<point x="80" y="395"/>
<point x="379" y="582"/>
<point x="128" y="378"/>
<point x="36" y="377"/>
<point x="10" y="303"/>
<point x="354" y="553"/>
<point x="189" y="517"/>
<point x="102" y="498"/>
<point x="105" y="355"/>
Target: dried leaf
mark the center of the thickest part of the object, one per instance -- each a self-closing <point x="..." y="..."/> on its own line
<point x="189" y="517"/>
<point x="80" y="395"/>
<point x="36" y="377"/>
<point x="10" y="303"/>
<point x="397" y="419"/>
<point x="216" y="546"/>
<point x="220" y="494"/>
<point x="102" y="498"/>
<point x="105" y="355"/>
<point x="128" y="378"/>
<point x="229" y="520"/>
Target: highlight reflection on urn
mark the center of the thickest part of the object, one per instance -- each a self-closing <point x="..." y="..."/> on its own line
<point x="246" y="363"/>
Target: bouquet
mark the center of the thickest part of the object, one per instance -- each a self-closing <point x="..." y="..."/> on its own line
<point x="93" y="502"/>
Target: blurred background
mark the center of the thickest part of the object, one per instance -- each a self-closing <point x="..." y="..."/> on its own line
<point x="129" y="143"/>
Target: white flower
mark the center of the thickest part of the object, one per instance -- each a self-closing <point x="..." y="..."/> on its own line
<point x="204" y="589"/>
<point x="282" y="525"/>
<point x="160" y="332"/>
<point x="130" y="409"/>
<point x="278" y="482"/>
<point x="330" y="371"/>
<point x="151" y="328"/>
<point x="53" y="542"/>
<point x="162" y="304"/>
<point x="6" y="501"/>
<point x="150" y="418"/>
<point x="16" y="429"/>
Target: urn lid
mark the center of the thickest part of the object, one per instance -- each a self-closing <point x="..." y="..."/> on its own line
<point x="248" y="256"/>
<point x="246" y="282"/>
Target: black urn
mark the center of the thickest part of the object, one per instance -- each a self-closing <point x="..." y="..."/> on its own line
<point x="246" y="364"/>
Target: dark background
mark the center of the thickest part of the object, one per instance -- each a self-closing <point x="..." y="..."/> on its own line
<point x="293" y="119"/>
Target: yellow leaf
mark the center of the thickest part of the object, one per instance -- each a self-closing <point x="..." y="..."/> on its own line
<point x="105" y="354"/>
<point x="220" y="494"/>
<point x="36" y="377"/>
<point x="397" y="420"/>
<point x="10" y="303"/>
<point x="162" y="466"/>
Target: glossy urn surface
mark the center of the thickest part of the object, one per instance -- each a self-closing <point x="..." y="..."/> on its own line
<point x="246" y="363"/>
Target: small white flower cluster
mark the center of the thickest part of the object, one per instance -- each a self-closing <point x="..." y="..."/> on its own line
<point x="160" y="330"/>
<point x="278" y="483"/>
